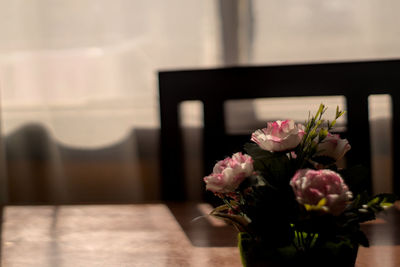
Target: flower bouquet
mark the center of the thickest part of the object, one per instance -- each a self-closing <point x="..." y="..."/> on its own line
<point x="288" y="199"/>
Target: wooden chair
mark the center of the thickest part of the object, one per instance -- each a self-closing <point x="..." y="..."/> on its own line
<point x="353" y="80"/>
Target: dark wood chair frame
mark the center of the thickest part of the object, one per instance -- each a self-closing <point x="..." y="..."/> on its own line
<point x="353" y="80"/>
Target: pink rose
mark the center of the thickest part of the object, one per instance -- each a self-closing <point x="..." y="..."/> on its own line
<point x="321" y="189"/>
<point x="333" y="146"/>
<point x="279" y="136"/>
<point x="229" y="173"/>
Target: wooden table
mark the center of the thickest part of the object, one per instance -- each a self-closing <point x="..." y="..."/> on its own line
<point x="146" y="235"/>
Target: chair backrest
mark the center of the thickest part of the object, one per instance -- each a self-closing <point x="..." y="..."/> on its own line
<point x="353" y="80"/>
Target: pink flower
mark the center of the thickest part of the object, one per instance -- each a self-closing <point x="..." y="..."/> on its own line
<point x="333" y="146"/>
<point x="279" y="136"/>
<point x="321" y="189"/>
<point x="229" y="173"/>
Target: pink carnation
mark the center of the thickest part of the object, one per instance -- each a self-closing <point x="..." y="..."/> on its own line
<point x="333" y="146"/>
<point x="323" y="189"/>
<point x="229" y="173"/>
<point x="279" y="136"/>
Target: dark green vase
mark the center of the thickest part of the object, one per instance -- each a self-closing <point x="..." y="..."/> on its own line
<point x="330" y="255"/>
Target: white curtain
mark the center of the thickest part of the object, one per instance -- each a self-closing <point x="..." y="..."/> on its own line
<point x="79" y="83"/>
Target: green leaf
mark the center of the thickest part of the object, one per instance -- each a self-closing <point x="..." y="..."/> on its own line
<point x="339" y="113"/>
<point x="322" y="134"/>
<point x="320" y="111"/>
<point x="256" y="152"/>
<point x="361" y="238"/>
<point x="364" y="207"/>
<point x="385" y="198"/>
<point x="275" y="167"/>
<point x="366" y="216"/>
<point x="381" y="201"/>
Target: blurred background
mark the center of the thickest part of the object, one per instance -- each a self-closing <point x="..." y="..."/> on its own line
<point x="79" y="96"/>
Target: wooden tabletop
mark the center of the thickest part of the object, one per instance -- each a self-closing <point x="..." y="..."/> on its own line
<point x="147" y="235"/>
